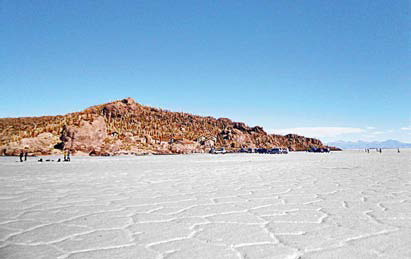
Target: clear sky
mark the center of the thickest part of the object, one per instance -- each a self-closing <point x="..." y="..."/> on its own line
<point x="329" y="69"/>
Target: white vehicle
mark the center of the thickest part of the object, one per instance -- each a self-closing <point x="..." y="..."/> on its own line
<point x="284" y="151"/>
<point x="218" y="151"/>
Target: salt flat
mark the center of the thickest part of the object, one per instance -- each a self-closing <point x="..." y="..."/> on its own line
<point x="339" y="205"/>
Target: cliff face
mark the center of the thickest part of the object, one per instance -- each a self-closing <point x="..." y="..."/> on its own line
<point x="126" y="127"/>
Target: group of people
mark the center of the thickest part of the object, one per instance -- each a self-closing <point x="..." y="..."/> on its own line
<point x="379" y="150"/>
<point x="23" y="157"/>
<point x="66" y="158"/>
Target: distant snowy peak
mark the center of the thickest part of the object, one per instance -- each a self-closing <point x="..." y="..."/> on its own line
<point x="373" y="144"/>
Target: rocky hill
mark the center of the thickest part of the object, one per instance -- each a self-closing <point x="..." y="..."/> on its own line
<point x="126" y="127"/>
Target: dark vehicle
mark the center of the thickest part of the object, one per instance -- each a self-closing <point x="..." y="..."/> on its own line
<point x="276" y="151"/>
<point x="284" y="150"/>
<point x="262" y="151"/>
<point x="319" y="150"/>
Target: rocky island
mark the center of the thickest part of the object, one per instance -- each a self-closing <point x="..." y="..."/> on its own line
<point x="126" y="127"/>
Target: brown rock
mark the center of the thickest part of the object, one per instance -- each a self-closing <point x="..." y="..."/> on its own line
<point x="185" y="147"/>
<point x="86" y="137"/>
<point x="40" y="145"/>
<point x="125" y="126"/>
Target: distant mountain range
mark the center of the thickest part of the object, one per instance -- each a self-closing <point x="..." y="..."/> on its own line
<point x="373" y="144"/>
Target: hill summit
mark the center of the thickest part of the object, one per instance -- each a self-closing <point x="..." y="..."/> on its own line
<point x="127" y="127"/>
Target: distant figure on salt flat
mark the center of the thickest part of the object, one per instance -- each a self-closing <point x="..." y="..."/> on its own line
<point x="25" y="156"/>
<point x="398" y="150"/>
<point x="66" y="156"/>
<point x="21" y="156"/>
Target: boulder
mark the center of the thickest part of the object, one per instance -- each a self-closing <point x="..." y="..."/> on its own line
<point x="43" y="144"/>
<point x="87" y="137"/>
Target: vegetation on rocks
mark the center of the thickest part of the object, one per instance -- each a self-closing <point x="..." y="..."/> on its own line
<point x="126" y="127"/>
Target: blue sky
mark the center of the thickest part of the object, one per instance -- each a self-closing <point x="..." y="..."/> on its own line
<point x="328" y="69"/>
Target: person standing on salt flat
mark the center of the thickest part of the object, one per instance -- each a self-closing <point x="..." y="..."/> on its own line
<point x="21" y="156"/>
<point x="66" y="156"/>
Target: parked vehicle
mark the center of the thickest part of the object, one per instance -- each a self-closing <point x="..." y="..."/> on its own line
<point x="319" y="150"/>
<point x="218" y="151"/>
<point x="276" y="151"/>
<point x="284" y="150"/>
<point x="262" y="151"/>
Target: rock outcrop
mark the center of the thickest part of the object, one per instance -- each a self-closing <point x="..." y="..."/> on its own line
<point x="43" y="144"/>
<point x="87" y="137"/>
<point x="126" y="127"/>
